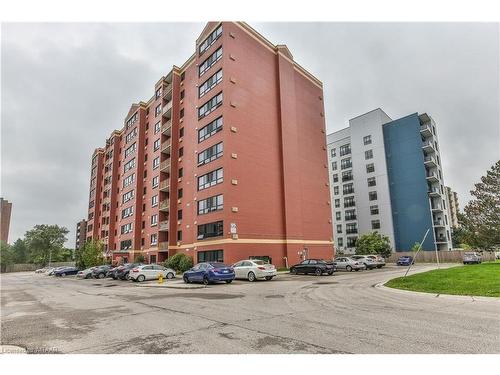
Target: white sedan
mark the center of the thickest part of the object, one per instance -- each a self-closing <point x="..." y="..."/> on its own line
<point x="150" y="272"/>
<point x="253" y="269"/>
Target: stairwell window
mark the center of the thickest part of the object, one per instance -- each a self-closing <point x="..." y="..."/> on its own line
<point x="210" y="179"/>
<point x="210" y="40"/>
<point x="210" y="106"/>
<point x="210" y="154"/>
<point x="368" y="154"/>
<point x="210" y="129"/>
<point x="210" y="61"/>
<point x="210" y="83"/>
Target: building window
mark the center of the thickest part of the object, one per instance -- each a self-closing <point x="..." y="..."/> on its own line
<point x="210" y="106"/>
<point x="179" y="193"/>
<point x="127" y="196"/>
<point x="129" y="211"/>
<point x="340" y="242"/>
<point x="351" y="228"/>
<point x="338" y="215"/>
<point x="155" y="182"/>
<point x="210" y="40"/>
<point x="348" y="189"/>
<point x="132" y="120"/>
<point x="367" y="140"/>
<point x="337" y="203"/>
<point x="181" y="172"/>
<point x="181" y="113"/>
<point x="349" y="202"/>
<point x="210" y="204"/>
<point x="131" y="135"/>
<point x="181" y="132"/>
<point x="372" y="195"/>
<point x="154" y="220"/>
<point x="209" y="230"/>
<point x="156" y="162"/>
<point x="179" y="235"/>
<point x="210" y="129"/>
<point x="158" y="93"/>
<point x="158" y="110"/>
<point x="210" y="154"/>
<point x="210" y="83"/>
<point x="333" y="152"/>
<point x="210" y="179"/>
<point x="375" y="224"/>
<point x="129" y="180"/>
<point x="130" y="150"/>
<point x="154" y="239"/>
<point x="351" y="242"/>
<point x="345" y="150"/>
<point x="334" y="166"/>
<point x="154" y="200"/>
<point x="179" y="214"/>
<point x="183" y="75"/>
<point x="347" y="176"/>
<point x="125" y="245"/>
<point x="157" y="127"/>
<point x="210" y="61"/>
<point x="335" y="178"/>
<point x="128" y="165"/>
<point x="127" y="228"/>
<point x="182" y="94"/>
<point x="369" y="154"/>
<point x="345" y="163"/>
<point x="156" y="145"/>
<point x="335" y="190"/>
<point x="370" y="168"/>
<point x="339" y="228"/>
<point x="350" y="215"/>
<point x="211" y="256"/>
<point x="374" y="210"/>
<point x="372" y="181"/>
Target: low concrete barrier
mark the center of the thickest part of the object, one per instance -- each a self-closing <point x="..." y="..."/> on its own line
<point x="22" y="267"/>
<point x="452" y="256"/>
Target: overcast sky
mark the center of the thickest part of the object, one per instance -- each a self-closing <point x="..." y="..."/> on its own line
<point x="65" y="87"/>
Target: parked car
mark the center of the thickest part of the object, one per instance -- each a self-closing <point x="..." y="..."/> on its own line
<point x="253" y="269"/>
<point x="209" y="272"/>
<point x="122" y="272"/>
<point x="472" y="258"/>
<point x="497" y="254"/>
<point x="112" y="271"/>
<point x="378" y="259"/>
<point x="367" y="261"/>
<point x="51" y="271"/>
<point x="315" y="266"/>
<point x="65" y="271"/>
<point x="41" y="270"/>
<point x="100" y="272"/>
<point x="150" y="272"/>
<point x="348" y="264"/>
<point x="405" y="260"/>
<point x="86" y="273"/>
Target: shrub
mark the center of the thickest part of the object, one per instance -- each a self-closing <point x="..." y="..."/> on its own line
<point x="139" y="259"/>
<point x="373" y="243"/>
<point x="179" y="262"/>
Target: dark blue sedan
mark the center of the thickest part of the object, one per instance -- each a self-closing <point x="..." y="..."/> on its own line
<point x="405" y="260"/>
<point x="207" y="273"/>
<point x="66" y="271"/>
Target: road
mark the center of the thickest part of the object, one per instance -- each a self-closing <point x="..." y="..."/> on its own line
<point x="343" y="313"/>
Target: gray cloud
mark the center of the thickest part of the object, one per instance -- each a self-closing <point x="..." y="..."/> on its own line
<point x="65" y="87"/>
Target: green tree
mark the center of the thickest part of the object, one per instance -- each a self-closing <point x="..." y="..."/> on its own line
<point x="373" y="243"/>
<point x="415" y="247"/>
<point x="6" y="256"/>
<point x="45" y="242"/>
<point x="139" y="259"/>
<point x="20" y="251"/>
<point x="482" y="213"/>
<point x="179" y="262"/>
<point x="91" y="255"/>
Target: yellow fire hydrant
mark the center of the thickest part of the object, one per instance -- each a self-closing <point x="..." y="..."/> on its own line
<point x="160" y="278"/>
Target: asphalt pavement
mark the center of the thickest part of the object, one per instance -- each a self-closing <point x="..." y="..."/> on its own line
<point x="343" y="313"/>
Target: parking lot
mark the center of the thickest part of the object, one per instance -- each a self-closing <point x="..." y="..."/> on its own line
<point x="343" y="313"/>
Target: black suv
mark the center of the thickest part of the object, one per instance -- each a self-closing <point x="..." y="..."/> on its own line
<point x="315" y="266"/>
<point x="123" y="271"/>
<point x="100" y="271"/>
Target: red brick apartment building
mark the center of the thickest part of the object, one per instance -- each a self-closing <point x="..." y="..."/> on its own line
<point x="5" y="211"/>
<point x="226" y="161"/>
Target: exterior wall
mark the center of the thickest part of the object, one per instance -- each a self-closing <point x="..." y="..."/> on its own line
<point x="81" y="234"/>
<point x="275" y="194"/>
<point x="453" y="207"/>
<point x="5" y="212"/>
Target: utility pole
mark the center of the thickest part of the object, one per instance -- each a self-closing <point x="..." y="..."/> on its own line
<point x="421" y="243"/>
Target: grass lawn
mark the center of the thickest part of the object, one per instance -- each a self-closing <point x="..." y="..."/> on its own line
<point x="471" y="280"/>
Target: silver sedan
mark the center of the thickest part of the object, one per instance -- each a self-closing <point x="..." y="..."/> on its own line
<point x="253" y="269"/>
<point x="348" y="264"/>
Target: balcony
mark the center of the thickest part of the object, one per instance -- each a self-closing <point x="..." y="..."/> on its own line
<point x="425" y="130"/>
<point x="165" y="185"/>
<point x="349" y="218"/>
<point x="434" y="192"/>
<point x="163" y="226"/>
<point x="166" y="148"/>
<point x="347" y="178"/>
<point x="163" y="245"/>
<point x="432" y="177"/>
<point x="438" y="222"/>
<point x="166" y="128"/>
<point x="165" y="205"/>
<point x="167" y="92"/>
<point x="428" y="147"/>
<point x="351" y="231"/>
<point x="167" y="110"/>
<point x="165" y="167"/>
<point x="437" y="207"/>
<point x="430" y="161"/>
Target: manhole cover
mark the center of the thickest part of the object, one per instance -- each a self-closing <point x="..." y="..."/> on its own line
<point x="12" y="349"/>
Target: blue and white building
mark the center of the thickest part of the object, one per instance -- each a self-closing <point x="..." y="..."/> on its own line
<point x="386" y="176"/>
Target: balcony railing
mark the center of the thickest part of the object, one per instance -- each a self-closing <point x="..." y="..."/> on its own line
<point x="166" y="147"/>
<point x="167" y="110"/>
<point x="165" y="167"/>
<point x="165" y="205"/>
<point x="437" y="207"/>
<point x="166" y="128"/>
<point x="351" y="217"/>
<point x="163" y="225"/>
<point x="165" y="185"/>
<point x="163" y="245"/>
<point x="432" y="176"/>
<point x="428" y="146"/>
<point x="351" y="231"/>
<point x="425" y="130"/>
<point x="434" y="192"/>
<point x="167" y="92"/>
